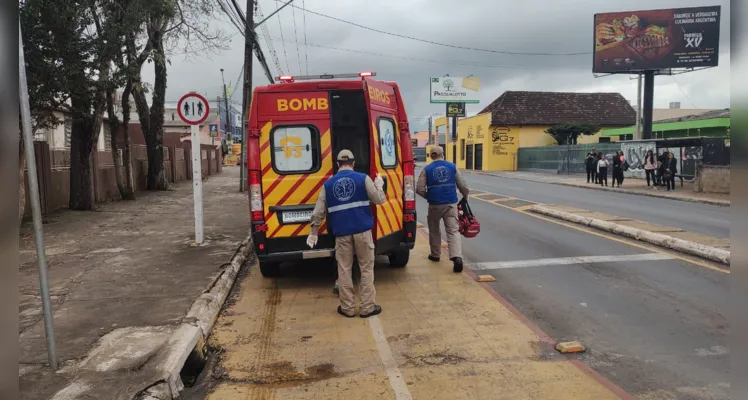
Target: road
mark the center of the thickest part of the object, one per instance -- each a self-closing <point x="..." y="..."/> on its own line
<point x="695" y="217"/>
<point x="655" y="325"/>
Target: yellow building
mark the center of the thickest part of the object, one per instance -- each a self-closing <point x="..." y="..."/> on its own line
<point x="490" y="141"/>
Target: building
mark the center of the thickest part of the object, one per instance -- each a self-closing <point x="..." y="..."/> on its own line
<point x="490" y="140"/>
<point x="59" y="137"/>
<point x="421" y="138"/>
<point x="234" y="127"/>
<point x="714" y="123"/>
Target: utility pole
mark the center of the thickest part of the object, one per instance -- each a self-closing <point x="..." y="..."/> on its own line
<point x="638" y="135"/>
<point x="249" y="40"/>
<point x="226" y="104"/>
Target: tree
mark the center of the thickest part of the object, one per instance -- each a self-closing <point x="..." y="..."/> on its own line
<point x="169" y="24"/>
<point x="568" y="133"/>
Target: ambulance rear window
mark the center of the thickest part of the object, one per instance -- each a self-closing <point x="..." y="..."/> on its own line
<point x="295" y="149"/>
<point x="387" y="142"/>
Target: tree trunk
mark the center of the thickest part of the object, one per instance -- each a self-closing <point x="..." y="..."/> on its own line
<point x="114" y="131"/>
<point x="155" y="138"/>
<point x="22" y="181"/>
<point x="126" y="153"/>
<point x="81" y="165"/>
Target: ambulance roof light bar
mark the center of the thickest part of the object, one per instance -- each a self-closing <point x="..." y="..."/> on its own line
<point x="288" y="78"/>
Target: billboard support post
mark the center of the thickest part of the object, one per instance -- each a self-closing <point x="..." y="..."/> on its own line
<point x="649" y="83"/>
<point x="638" y="135"/>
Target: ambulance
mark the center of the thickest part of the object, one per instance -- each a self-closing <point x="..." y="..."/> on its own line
<point x="296" y="128"/>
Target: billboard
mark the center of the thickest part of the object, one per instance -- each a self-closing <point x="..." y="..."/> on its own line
<point x="449" y="89"/>
<point x="656" y="39"/>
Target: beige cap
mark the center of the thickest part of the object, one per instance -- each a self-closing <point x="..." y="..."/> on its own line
<point x="345" y="155"/>
<point x="437" y="151"/>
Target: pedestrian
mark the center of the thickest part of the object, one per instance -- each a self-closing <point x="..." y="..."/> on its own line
<point x="349" y="217"/>
<point x="618" y="166"/>
<point x="650" y="165"/>
<point x="671" y="168"/>
<point x="661" y="169"/>
<point x="438" y="184"/>
<point x="602" y="169"/>
<point x="591" y="167"/>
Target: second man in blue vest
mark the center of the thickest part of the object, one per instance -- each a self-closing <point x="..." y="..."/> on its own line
<point x="438" y="184"/>
<point x="346" y="199"/>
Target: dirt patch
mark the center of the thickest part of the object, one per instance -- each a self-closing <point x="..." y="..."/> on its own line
<point x="397" y="338"/>
<point x="433" y="359"/>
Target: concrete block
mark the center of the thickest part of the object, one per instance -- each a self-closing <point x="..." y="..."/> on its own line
<point x="485" y="278"/>
<point x="570" y="347"/>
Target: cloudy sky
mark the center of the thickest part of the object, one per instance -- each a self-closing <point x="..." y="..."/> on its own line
<point x="538" y="26"/>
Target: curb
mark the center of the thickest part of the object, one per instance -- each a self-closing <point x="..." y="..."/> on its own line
<point x="195" y="328"/>
<point x="721" y="203"/>
<point x="684" y="246"/>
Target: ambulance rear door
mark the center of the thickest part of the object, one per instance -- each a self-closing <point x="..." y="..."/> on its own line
<point x="386" y="157"/>
<point x="296" y="160"/>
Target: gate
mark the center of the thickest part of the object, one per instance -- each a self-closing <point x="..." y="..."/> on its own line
<point x="479" y="157"/>
<point x="469" y="157"/>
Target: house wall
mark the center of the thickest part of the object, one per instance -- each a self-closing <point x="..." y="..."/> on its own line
<point x="498" y="145"/>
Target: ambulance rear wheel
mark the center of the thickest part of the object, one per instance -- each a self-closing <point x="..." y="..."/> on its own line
<point x="399" y="259"/>
<point x="270" y="269"/>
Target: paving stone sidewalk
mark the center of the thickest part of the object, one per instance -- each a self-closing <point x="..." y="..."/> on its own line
<point x="129" y="264"/>
<point x="630" y="186"/>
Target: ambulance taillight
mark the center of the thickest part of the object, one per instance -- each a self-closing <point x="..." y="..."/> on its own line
<point x="409" y="189"/>
<point x="255" y="197"/>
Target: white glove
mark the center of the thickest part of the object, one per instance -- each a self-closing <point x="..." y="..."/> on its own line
<point x="311" y="241"/>
<point x="379" y="182"/>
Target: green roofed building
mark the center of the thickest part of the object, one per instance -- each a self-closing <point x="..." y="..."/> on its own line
<point x="710" y="123"/>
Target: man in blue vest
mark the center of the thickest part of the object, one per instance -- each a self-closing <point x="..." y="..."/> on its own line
<point x="346" y="200"/>
<point x="438" y="184"/>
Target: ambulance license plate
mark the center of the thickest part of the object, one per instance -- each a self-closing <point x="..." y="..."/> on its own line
<point x="295" y="217"/>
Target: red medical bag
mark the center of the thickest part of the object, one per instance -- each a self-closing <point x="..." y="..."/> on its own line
<point x="469" y="225"/>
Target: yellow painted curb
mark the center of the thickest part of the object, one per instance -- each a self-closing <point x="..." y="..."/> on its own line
<point x="570" y="347"/>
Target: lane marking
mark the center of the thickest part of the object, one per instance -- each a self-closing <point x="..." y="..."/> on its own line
<point x="390" y="365"/>
<point x="544" y="262"/>
<point x="615" y="239"/>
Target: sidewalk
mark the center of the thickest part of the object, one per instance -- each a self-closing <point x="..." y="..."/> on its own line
<point x="128" y="269"/>
<point x="441" y="335"/>
<point x="630" y="186"/>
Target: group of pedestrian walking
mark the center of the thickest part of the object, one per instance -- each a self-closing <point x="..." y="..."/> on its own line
<point x="597" y="165"/>
<point x="350" y="220"/>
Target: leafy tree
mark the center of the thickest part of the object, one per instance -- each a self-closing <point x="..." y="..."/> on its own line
<point x="568" y="133"/>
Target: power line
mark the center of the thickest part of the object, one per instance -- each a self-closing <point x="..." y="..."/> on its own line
<point x="268" y="42"/>
<point x="258" y="50"/>
<point x="422" y="59"/>
<point x="306" y="52"/>
<point x="684" y="93"/>
<point x="438" y="43"/>
<point x="280" y="24"/>
<point x="296" y="38"/>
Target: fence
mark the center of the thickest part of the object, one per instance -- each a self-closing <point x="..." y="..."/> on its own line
<point x="53" y="170"/>
<point x="561" y="159"/>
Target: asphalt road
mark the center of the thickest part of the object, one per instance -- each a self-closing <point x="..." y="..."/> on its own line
<point x="655" y="327"/>
<point x="695" y="217"/>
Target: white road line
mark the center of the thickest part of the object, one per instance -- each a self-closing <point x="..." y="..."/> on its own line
<point x="390" y="365"/>
<point x="542" y="262"/>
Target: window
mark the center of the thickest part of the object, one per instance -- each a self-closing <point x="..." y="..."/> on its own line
<point x="107" y="137"/>
<point x="68" y="125"/>
<point x="295" y="149"/>
<point x="387" y="143"/>
<point x="462" y="149"/>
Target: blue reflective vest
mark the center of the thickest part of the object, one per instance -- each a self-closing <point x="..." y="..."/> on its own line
<point x="441" y="182"/>
<point x="348" y="207"/>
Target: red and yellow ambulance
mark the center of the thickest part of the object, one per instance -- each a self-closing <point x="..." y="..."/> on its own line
<point x="296" y="129"/>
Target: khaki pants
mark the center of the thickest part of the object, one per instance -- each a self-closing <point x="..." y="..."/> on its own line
<point x="362" y="246"/>
<point x="448" y="213"/>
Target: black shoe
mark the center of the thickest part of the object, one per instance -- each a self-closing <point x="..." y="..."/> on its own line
<point x="376" y="311"/>
<point x="434" y="259"/>
<point x="457" y="264"/>
<point x="340" y="311"/>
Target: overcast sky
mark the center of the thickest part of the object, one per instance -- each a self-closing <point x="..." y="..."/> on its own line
<point x="550" y="26"/>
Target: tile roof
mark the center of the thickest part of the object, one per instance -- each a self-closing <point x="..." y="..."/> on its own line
<point x="549" y="108"/>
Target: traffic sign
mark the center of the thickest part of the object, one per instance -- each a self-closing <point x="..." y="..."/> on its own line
<point x="213" y="128"/>
<point x="193" y="108"/>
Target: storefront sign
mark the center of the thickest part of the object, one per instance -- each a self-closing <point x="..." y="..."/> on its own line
<point x="455" y="110"/>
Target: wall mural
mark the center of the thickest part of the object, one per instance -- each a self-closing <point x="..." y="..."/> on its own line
<point x="634" y="153"/>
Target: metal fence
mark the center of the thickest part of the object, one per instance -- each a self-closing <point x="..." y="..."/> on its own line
<point x="562" y="159"/>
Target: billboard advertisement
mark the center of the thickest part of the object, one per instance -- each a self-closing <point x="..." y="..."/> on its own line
<point x="450" y="89"/>
<point x="455" y="110"/>
<point x="657" y="39"/>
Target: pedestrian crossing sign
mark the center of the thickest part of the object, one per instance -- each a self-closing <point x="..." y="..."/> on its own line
<point x="213" y="130"/>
